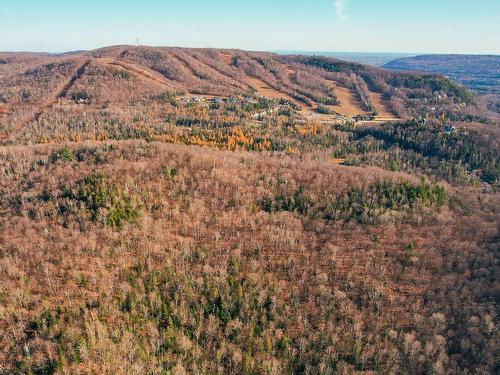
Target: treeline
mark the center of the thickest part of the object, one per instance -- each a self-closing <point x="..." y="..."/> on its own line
<point x="473" y="150"/>
<point x="364" y="205"/>
<point x="434" y="83"/>
<point x="325" y="63"/>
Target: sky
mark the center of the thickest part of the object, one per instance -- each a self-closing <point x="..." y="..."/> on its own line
<point x="413" y="26"/>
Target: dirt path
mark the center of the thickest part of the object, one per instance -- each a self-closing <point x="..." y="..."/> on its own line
<point x="267" y="91"/>
<point x="381" y="105"/>
<point x="186" y="65"/>
<point x="349" y="104"/>
<point x="3" y="111"/>
<point x="77" y="75"/>
<point x="59" y="93"/>
<point x="230" y="79"/>
<point x="378" y="121"/>
<point x="292" y="75"/>
<point x="62" y="91"/>
<point x="137" y="71"/>
<point x="227" y="57"/>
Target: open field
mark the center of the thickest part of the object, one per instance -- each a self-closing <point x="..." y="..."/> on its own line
<point x="266" y="91"/>
<point x="349" y="105"/>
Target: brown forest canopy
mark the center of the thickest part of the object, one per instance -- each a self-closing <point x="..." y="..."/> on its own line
<point x="172" y="210"/>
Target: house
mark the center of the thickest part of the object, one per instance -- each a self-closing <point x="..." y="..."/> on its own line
<point x="421" y="121"/>
<point x="216" y="100"/>
<point x="448" y="129"/>
<point x="359" y="118"/>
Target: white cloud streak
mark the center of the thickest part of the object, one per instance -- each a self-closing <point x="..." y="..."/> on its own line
<point x="340" y="7"/>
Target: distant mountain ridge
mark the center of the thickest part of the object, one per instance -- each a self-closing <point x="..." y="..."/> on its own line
<point x="369" y="58"/>
<point x="480" y="73"/>
<point x="36" y="87"/>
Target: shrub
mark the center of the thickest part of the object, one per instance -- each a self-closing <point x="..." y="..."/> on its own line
<point x="103" y="199"/>
<point x="294" y="202"/>
<point x="64" y="154"/>
<point x="4" y="97"/>
<point x="168" y="172"/>
<point x="166" y="97"/>
<point x="123" y="74"/>
<point x="323" y="110"/>
<point x="26" y="95"/>
<point x="366" y="205"/>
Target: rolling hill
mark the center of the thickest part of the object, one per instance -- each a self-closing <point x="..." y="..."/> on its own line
<point x="193" y="211"/>
<point x="477" y="72"/>
<point x="40" y="87"/>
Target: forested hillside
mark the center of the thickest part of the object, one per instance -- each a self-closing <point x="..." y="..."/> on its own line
<point x="478" y="72"/>
<point x="124" y="81"/>
<point x="202" y="211"/>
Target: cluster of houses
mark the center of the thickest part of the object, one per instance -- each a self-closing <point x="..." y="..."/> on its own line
<point x="447" y="128"/>
<point x="359" y="118"/>
<point x="207" y="101"/>
<point x="192" y="100"/>
<point x="266" y="112"/>
<point x="210" y="102"/>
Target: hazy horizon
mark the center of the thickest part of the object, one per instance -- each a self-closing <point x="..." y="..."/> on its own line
<point x="369" y="58"/>
<point x="277" y="51"/>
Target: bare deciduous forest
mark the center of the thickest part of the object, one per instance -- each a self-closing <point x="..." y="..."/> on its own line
<point x="174" y="211"/>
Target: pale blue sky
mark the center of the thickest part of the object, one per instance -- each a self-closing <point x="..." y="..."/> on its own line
<point x="435" y="26"/>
